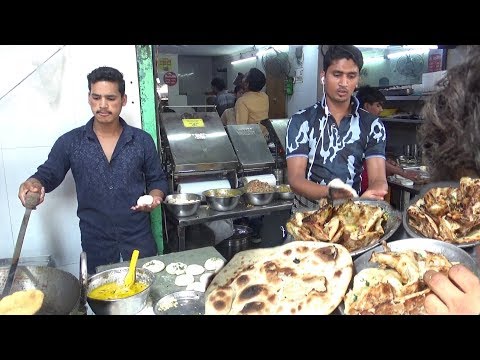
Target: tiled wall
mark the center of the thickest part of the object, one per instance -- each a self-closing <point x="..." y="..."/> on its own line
<point x="47" y="103"/>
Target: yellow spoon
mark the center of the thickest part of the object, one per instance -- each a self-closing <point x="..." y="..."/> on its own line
<point x="130" y="277"/>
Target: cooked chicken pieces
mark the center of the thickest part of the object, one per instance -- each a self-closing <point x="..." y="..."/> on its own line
<point x="449" y="214"/>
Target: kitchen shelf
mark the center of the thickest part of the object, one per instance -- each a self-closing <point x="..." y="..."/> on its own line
<point x="402" y="121"/>
<point x="406" y="98"/>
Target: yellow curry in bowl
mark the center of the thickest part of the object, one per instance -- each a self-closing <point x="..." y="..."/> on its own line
<point x="114" y="291"/>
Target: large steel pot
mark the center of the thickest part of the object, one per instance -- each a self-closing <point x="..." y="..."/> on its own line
<point x="62" y="289"/>
<point x="126" y="306"/>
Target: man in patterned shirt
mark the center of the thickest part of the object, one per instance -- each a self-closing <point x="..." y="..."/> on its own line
<point x="331" y="138"/>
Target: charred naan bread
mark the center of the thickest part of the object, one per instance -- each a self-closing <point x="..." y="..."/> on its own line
<point x="352" y="224"/>
<point x="396" y="287"/>
<point x="449" y="214"/>
<point x="25" y="302"/>
<point x="295" y="278"/>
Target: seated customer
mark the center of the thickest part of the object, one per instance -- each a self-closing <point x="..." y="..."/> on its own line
<point x="253" y="106"/>
<point x="228" y="116"/>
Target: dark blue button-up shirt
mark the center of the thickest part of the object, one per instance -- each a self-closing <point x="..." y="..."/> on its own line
<point x="107" y="190"/>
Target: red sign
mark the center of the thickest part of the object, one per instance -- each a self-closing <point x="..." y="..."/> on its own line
<point x="435" y="60"/>
<point x="170" y="78"/>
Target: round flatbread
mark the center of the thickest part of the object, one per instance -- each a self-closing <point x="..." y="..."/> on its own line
<point x="195" y="269"/>
<point x="176" y="268"/>
<point x="25" y="302"/>
<point x="184" y="280"/>
<point x="206" y="278"/>
<point x="214" y="264"/>
<point x="296" y="278"/>
<point x="196" y="286"/>
<point x="154" y="266"/>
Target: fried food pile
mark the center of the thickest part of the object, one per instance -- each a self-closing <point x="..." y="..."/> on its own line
<point x="257" y="186"/>
<point x="397" y="286"/>
<point x="449" y="214"/>
<point x="352" y="224"/>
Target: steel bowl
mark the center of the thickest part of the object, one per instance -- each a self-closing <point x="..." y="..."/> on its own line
<point x="259" y="198"/>
<point x="126" y="306"/>
<point x="187" y="209"/>
<point x="414" y="233"/>
<point x="450" y="251"/>
<point x="282" y="194"/>
<point x="222" y="199"/>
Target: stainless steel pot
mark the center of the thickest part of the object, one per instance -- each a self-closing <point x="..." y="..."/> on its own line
<point x="61" y="289"/>
<point x="127" y="306"/>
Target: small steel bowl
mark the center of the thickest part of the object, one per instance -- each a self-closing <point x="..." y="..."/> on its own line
<point x="282" y="194"/>
<point x="222" y="199"/>
<point x="259" y="198"/>
<point x="187" y="209"/>
<point x="125" y="306"/>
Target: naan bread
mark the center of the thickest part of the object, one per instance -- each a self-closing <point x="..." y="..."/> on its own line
<point x="25" y="302"/>
<point x="296" y="278"/>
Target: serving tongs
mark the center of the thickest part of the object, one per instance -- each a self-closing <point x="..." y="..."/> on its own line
<point x="31" y="202"/>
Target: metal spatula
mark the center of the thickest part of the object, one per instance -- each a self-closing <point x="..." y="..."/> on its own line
<point x="337" y="194"/>
<point x="31" y="201"/>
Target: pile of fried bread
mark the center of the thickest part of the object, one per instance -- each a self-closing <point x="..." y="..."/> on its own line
<point x="351" y="224"/>
<point x="449" y="214"/>
<point x="396" y="287"/>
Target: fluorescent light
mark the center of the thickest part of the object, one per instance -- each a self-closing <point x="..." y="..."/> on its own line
<point x="243" y="60"/>
<point x="407" y="52"/>
<point x="372" y="46"/>
<point x="422" y="46"/>
<point x="373" y="59"/>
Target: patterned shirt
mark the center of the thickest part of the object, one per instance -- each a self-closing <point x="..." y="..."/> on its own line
<point x="224" y="100"/>
<point x="107" y="190"/>
<point x="335" y="151"/>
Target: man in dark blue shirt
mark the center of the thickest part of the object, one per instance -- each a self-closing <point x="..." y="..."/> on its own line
<point x="331" y="138"/>
<point x="113" y="164"/>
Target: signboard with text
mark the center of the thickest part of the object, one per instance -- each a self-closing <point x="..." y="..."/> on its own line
<point x="170" y="78"/>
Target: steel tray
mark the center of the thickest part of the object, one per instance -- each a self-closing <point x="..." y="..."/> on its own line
<point x="413" y="232"/>
<point x="393" y="222"/>
<point x="181" y="303"/>
<point x="451" y="252"/>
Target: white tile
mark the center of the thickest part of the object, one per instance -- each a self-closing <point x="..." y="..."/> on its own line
<point x="6" y="239"/>
<point x="53" y="227"/>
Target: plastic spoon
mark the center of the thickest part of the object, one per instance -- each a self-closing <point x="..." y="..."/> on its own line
<point x="130" y="277"/>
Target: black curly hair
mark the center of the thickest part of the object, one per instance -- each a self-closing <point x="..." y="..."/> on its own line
<point x="337" y="52"/>
<point x="450" y="133"/>
<point x="105" y="73"/>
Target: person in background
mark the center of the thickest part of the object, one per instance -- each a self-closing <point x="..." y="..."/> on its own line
<point x="228" y="116"/>
<point x="449" y="136"/>
<point x="113" y="164"/>
<point x="372" y="100"/>
<point x="224" y="99"/>
<point x="253" y="106"/>
<point x="238" y="79"/>
<point x="331" y="138"/>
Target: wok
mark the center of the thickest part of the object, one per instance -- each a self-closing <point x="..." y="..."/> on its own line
<point x="61" y="289"/>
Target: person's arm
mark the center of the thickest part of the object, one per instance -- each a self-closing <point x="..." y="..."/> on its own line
<point x="50" y="174"/>
<point x="155" y="178"/>
<point x="296" y="168"/>
<point x="377" y="181"/>
<point x="393" y="169"/>
<point x="457" y="294"/>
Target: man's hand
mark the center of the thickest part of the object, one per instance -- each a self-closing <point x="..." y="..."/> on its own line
<point x="31" y="185"/>
<point x="457" y="294"/>
<point x="157" y="200"/>
<point x="374" y="194"/>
